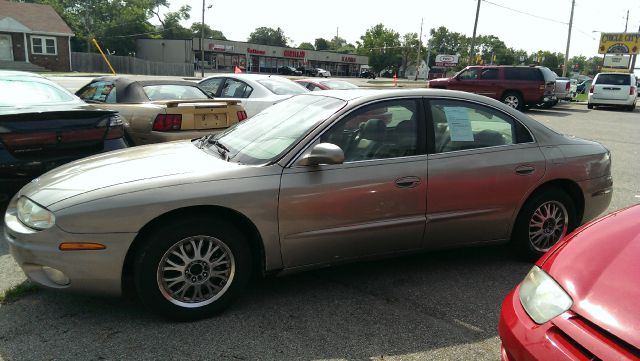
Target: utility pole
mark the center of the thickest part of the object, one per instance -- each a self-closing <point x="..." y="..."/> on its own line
<point x="473" y="38"/>
<point x="419" y="48"/>
<point x="566" y="53"/>
<point x="627" y="22"/>
<point x="202" y="43"/>
<point x="633" y="59"/>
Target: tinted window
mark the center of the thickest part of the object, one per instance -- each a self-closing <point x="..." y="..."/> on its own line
<point x="31" y="91"/>
<point x="459" y="125"/>
<point x="614" y="79"/>
<point x="522" y="74"/>
<point x="382" y="130"/>
<point x="173" y="92"/>
<point x="491" y="73"/>
<point x="468" y="74"/>
<point x="99" y="91"/>
<point x="282" y="86"/>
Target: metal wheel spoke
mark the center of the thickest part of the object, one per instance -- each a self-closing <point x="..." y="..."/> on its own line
<point x="196" y="248"/>
<point x="218" y="261"/>
<point x="175" y="282"/>
<point x="211" y="251"/>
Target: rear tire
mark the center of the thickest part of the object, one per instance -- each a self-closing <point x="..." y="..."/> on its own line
<point x="589" y="106"/>
<point x="546" y="217"/>
<point x="514" y="100"/>
<point x="192" y="268"/>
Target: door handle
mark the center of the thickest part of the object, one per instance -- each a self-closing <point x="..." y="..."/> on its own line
<point x="407" y="182"/>
<point x="525" y="170"/>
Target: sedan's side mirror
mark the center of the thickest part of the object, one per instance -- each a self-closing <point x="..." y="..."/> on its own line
<point x="323" y="153"/>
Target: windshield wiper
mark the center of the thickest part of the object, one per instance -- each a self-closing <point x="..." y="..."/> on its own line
<point x="222" y="149"/>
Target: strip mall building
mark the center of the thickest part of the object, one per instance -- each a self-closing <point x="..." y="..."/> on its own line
<point x="224" y="55"/>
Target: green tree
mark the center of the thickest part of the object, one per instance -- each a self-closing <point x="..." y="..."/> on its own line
<point x="306" y="46"/>
<point x="322" y="44"/>
<point x="268" y="36"/>
<point x="347" y="49"/>
<point x="409" y="51"/>
<point x="208" y="32"/>
<point x="577" y="64"/>
<point x="382" y="45"/>
<point x="593" y="66"/>
<point x="337" y="43"/>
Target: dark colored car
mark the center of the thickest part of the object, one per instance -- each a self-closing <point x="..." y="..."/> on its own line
<point x="288" y="70"/>
<point x="368" y="74"/>
<point x="516" y="86"/>
<point x="42" y="126"/>
<point x="583" y="86"/>
<point x="580" y="300"/>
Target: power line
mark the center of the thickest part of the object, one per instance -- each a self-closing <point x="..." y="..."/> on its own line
<point x="526" y="13"/>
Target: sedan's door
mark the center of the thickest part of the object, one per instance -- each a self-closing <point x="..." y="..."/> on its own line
<point x="373" y="203"/>
<point x="482" y="163"/>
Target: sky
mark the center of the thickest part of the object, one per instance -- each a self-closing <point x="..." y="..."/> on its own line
<point x="545" y="27"/>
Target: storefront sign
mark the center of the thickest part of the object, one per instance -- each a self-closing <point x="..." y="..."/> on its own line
<point x="619" y="43"/>
<point x="215" y="47"/>
<point x="446" y="60"/>
<point x="256" y="51"/>
<point x="294" y="53"/>
<point x="348" y="59"/>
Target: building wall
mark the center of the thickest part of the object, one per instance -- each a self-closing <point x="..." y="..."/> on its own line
<point x="17" y="41"/>
<point x="164" y="50"/>
<point x="58" y="62"/>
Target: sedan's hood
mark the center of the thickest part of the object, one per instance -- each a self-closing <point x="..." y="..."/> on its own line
<point x="599" y="269"/>
<point x="138" y="164"/>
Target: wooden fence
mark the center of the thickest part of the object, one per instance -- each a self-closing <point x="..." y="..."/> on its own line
<point x="93" y="63"/>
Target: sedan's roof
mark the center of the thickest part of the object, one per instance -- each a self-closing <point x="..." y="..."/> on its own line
<point x="129" y="90"/>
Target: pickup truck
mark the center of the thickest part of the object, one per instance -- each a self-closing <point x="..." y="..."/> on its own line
<point x="566" y="88"/>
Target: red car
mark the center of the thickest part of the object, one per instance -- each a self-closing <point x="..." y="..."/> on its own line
<point x="516" y="86"/>
<point x="581" y="299"/>
<point x="325" y="84"/>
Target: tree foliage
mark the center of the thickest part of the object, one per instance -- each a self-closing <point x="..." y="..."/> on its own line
<point x="208" y="32"/>
<point x="321" y="44"/>
<point x="382" y="45"/>
<point x="306" y="46"/>
<point x="268" y="36"/>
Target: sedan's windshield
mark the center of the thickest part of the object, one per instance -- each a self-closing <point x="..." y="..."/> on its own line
<point x="267" y="135"/>
<point x="16" y="92"/>
<point x="282" y="86"/>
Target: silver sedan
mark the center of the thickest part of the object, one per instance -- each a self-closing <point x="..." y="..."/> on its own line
<point x="318" y="179"/>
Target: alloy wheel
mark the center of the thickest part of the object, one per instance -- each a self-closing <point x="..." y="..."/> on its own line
<point x="512" y="101"/>
<point x="548" y="225"/>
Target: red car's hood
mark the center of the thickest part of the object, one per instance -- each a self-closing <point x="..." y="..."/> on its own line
<point x="600" y="269"/>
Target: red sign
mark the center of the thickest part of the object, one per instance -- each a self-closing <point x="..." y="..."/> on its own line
<point x="349" y="59"/>
<point x="294" y="53"/>
<point x="256" y="51"/>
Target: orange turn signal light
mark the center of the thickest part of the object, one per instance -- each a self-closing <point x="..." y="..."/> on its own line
<point x="73" y="246"/>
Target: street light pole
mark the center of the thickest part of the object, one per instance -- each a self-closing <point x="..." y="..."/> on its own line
<point x="202" y="43"/>
<point x="473" y="38"/>
<point x="419" y="48"/>
<point x="566" y="53"/>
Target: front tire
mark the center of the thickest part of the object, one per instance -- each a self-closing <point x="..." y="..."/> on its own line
<point x="589" y="106"/>
<point x="514" y="100"/>
<point x="545" y="218"/>
<point x="192" y="269"/>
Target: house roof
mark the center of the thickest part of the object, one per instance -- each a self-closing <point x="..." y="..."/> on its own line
<point x="41" y="19"/>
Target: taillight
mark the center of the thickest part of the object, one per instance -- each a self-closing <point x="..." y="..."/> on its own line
<point x="167" y="122"/>
<point x="632" y="90"/>
<point x="242" y="115"/>
<point x="542" y="87"/>
<point x="568" y="86"/>
<point x="591" y="89"/>
<point x="115" y="127"/>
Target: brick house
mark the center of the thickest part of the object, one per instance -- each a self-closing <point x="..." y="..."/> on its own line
<point x="33" y="33"/>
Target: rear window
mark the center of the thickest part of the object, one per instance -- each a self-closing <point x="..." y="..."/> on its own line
<point x="523" y="74"/>
<point x="14" y="92"/>
<point x="614" y="79"/>
<point x="99" y="91"/>
<point x="173" y="92"/>
<point x="282" y="86"/>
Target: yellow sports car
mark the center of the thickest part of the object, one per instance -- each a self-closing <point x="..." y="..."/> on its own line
<point x="157" y="111"/>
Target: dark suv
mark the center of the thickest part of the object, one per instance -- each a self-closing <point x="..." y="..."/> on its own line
<point x="516" y="86"/>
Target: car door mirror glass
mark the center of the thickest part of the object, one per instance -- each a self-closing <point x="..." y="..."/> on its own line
<point x="323" y="153"/>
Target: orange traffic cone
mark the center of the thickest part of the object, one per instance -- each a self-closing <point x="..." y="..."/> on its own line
<point x="395" y="79"/>
<point x="237" y="70"/>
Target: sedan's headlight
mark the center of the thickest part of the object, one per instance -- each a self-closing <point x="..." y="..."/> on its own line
<point x="33" y="215"/>
<point x="541" y="297"/>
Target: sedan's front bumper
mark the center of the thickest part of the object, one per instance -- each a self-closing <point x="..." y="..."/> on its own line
<point x="37" y="253"/>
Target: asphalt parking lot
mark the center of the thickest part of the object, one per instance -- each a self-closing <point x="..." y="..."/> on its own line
<point x="433" y="306"/>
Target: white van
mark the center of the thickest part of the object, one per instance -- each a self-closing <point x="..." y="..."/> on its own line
<point x="616" y="89"/>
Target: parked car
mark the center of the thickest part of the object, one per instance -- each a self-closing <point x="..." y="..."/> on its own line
<point x="564" y="89"/>
<point x="516" y="86"/>
<point x="288" y="70"/>
<point x="43" y="125"/>
<point x="583" y="86"/>
<point x="367" y="74"/>
<point x="255" y="92"/>
<point x="157" y="111"/>
<point x="613" y="89"/>
<point x="580" y="300"/>
<point x="315" y="180"/>
<point x="336" y="84"/>
<point x="322" y="73"/>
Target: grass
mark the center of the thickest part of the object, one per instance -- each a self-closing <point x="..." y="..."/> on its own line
<point x="581" y="97"/>
<point x="17" y="292"/>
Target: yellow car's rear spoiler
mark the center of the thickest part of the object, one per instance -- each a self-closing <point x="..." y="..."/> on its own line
<point x="208" y="102"/>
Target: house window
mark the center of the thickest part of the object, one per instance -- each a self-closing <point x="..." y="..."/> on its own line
<point x="44" y="45"/>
